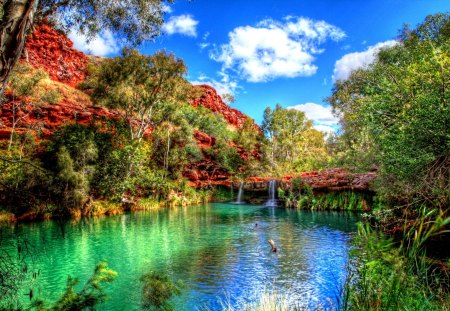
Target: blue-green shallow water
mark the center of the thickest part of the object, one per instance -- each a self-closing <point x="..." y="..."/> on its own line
<point x="216" y="250"/>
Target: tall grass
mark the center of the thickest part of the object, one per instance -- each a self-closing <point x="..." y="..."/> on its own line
<point x="348" y="200"/>
<point x="267" y="300"/>
<point x="397" y="275"/>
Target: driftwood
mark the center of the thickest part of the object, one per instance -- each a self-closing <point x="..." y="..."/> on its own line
<point x="272" y="243"/>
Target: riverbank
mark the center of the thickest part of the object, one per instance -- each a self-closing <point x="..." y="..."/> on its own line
<point x="332" y="189"/>
<point x="95" y="208"/>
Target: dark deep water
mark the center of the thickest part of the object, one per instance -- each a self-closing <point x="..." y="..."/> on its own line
<point x="215" y="250"/>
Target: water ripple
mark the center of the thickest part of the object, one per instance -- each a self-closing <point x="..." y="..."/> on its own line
<point x="219" y="251"/>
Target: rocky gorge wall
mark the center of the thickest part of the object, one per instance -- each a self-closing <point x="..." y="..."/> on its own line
<point x="330" y="180"/>
<point x="51" y="50"/>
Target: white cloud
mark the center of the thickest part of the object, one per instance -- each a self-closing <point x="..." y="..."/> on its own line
<point x="203" y="45"/>
<point x="181" y="24"/>
<point x="321" y="116"/>
<point x="324" y="128"/>
<point x="166" y="8"/>
<point x="221" y="87"/>
<point x="102" y="44"/>
<point x="225" y="86"/>
<point x="275" y="49"/>
<point x="352" y="61"/>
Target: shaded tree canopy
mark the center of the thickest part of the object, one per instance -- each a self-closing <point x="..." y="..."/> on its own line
<point x="133" y="20"/>
<point x="398" y="109"/>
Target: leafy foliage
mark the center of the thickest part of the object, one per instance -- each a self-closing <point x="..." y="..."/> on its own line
<point x="134" y="21"/>
<point x="138" y="85"/>
<point x="385" y="277"/>
<point x="157" y="289"/>
<point x="292" y="144"/>
<point x="397" y="112"/>
<point x="88" y="297"/>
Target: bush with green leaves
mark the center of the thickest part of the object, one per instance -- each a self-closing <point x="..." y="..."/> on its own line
<point x="24" y="79"/>
<point x="397" y="111"/>
<point x="157" y="289"/>
<point x="88" y="298"/>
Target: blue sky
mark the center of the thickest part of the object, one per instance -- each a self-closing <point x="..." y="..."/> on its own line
<point x="268" y="52"/>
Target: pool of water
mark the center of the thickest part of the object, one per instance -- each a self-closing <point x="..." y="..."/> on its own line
<point x="219" y="251"/>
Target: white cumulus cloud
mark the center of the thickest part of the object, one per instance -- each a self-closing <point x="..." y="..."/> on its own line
<point x="102" y="44"/>
<point x="225" y="86"/>
<point x="352" y="61"/>
<point x="324" y="128"/>
<point x="181" y="24"/>
<point x="273" y="49"/>
<point x="321" y="116"/>
<point x="166" y="8"/>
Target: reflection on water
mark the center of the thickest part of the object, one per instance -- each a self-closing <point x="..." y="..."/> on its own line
<point x="217" y="250"/>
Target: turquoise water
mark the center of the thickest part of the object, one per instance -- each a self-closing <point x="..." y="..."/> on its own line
<point x="217" y="251"/>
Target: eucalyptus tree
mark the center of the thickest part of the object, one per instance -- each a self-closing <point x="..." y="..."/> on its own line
<point x="140" y="87"/>
<point x="292" y="142"/>
<point x="173" y="140"/>
<point x="399" y="107"/>
<point x="133" y="20"/>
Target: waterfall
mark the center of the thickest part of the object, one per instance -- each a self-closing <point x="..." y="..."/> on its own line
<point x="272" y="198"/>
<point x="239" y="196"/>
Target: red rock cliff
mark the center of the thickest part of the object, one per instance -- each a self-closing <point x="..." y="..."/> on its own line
<point x="51" y="50"/>
<point x="211" y="100"/>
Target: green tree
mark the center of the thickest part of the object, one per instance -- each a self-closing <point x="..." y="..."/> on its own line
<point x="157" y="289"/>
<point x="90" y="295"/>
<point x="397" y="110"/>
<point x="249" y="135"/>
<point x="76" y="158"/>
<point x="292" y="144"/>
<point x="134" y="21"/>
<point x="139" y="87"/>
<point x="173" y="142"/>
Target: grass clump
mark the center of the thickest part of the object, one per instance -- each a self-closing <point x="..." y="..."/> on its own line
<point x="102" y="207"/>
<point x="147" y="204"/>
<point x="393" y="276"/>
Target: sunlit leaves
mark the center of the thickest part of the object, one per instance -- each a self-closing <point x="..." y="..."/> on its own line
<point x="400" y="106"/>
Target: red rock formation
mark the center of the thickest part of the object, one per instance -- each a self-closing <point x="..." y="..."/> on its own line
<point x="51" y="50"/>
<point x="204" y="140"/>
<point x="211" y="100"/>
<point x="335" y="180"/>
<point x="45" y="118"/>
<point x="331" y="180"/>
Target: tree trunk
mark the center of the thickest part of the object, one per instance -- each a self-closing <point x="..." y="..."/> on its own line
<point x="17" y="21"/>
<point x="166" y="155"/>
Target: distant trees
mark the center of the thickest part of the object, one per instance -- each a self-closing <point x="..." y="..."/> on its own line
<point x="292" y="143"/>
<point x="134" y="21"/>
<point x="398" y="111"/>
